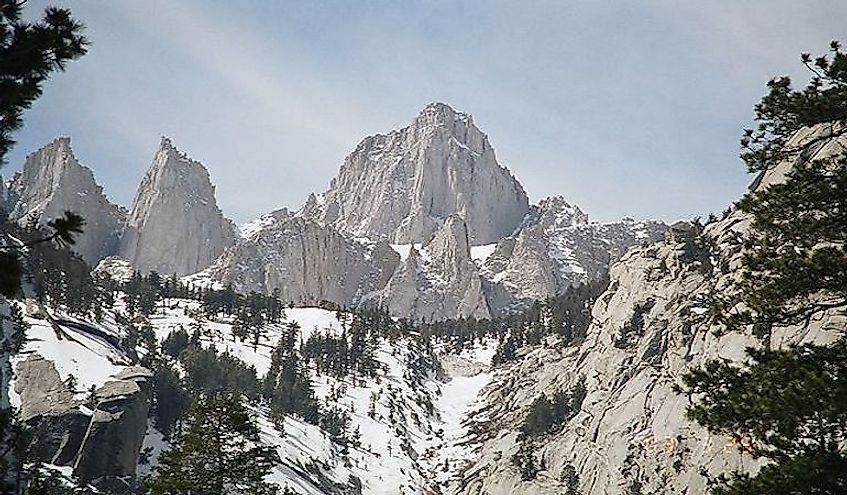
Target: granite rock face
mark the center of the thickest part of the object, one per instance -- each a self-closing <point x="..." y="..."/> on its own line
<point x="175" y="225"/>
<point x="117" y="268"/>
<point x="53" y="180"/>
<point x="112" y="443"/>
<point x="403" y="185"/>
<point x="305" y="261"/>
<point x="101" y="444"/>
<point x="435" y="192"/>
<point x="554" y="248"/>
<point x="438" y="282"/>
<point x="631" y="433"/>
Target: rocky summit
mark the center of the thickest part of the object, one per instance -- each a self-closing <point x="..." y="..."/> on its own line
<point x="51" y="181"/>
<point x="175" y="225"/>
<point x="403" y="185"/>
<point x="469" y="243"/>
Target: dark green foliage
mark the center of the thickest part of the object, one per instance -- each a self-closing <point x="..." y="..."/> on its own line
<point x="61" y="277"/>
<point x="251" y="308"/>
<point x="29" y="53"/>
<point x="287" y="386"/>
<point x="567" y="315"/>
<point x="62" y="232"/>
<point x="634" y="327"/>
<point x="220" y="301"/>
<point x="791" y="402"/>
<point x="548" y="415"/>
<point x="211" y="373"/>
<point x="14" y="440"/>
<point x="65" y="229"/>
<point x="336" y="422"/>
<point x="141" y="294"/>
<point x="216" y="454"/>
<point x="788" y="405"/>
<point x="526" y="462"/>
<point x="17" y="339"/>
<point x="784" y="110"/>
<point x="10" y="273"/>
<point x="570" y="478"/>
<point x="797" y="250"/>
<point x="340" y="355"/>
<point x="822" y="473"/>
<point x="40" y="483"/>
<point x="175" y="342"/>
<point x="170" y="400"/>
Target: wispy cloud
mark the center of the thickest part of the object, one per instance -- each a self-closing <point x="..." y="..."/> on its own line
<point x="631" y="108"/>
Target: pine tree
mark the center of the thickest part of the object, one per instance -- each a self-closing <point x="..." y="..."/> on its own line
<point x="789" y="406"/>
<point x="525" y="461"/>
<point x="217" y="454"/>
<point x="29" y="53"/>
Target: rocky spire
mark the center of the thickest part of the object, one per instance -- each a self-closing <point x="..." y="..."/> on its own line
<point x="440" y="283"/>
<point x="175" y="225"/>
<point x="53" y="180"/>
<point x="401" y="186"/>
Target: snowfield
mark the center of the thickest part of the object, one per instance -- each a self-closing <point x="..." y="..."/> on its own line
<point x="404" y="448"/>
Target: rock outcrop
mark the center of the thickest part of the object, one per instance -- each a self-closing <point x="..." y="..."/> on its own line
<point x="112" y="442"/>
<point x="649" y="328"/>
<point x="554" y="248"/>
<point x="438" y="282"/>
<point x="403" y="185"/>
<point x="101" y="444"/>
<point x="53" y="180"/>
<point x="175" y="225"/>
<point x="119" y="269"/>
<point x="305" y="261"/>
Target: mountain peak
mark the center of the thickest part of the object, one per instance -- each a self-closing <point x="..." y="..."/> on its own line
<point x="51" y="181"/>
<point x="61" y="142"/>
<point x="438" y="112"/>
<point x="165" y="143"/>
<point x="176" y="195"/>
<point x="401" y="186"/>
<point x="168" y="155"/>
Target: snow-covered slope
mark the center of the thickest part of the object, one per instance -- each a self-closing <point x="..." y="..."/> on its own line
<point x="395" y="442"/>
<point x="409" y="418"/>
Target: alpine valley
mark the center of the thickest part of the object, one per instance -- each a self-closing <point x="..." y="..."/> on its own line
<point x="401" y="332"/>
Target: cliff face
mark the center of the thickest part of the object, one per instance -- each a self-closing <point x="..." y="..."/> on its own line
<point x="305" y="261"/>
<point x="98" y="436"/>
<point x="554" y="248"/>
<point x="438" y="282"/>
<point x="435" y="192"/>
<point x="403" y="185"/>
<point x="175" y="225"/>
<point x="631" y="431"/>
<point x="53" y="180"/>
<point x="435" y="185"/>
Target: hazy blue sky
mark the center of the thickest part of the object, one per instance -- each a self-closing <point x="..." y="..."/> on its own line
<point x="625" y="108"/>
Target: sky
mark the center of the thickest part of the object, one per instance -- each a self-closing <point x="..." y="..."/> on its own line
<point x="626" y="108"/>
